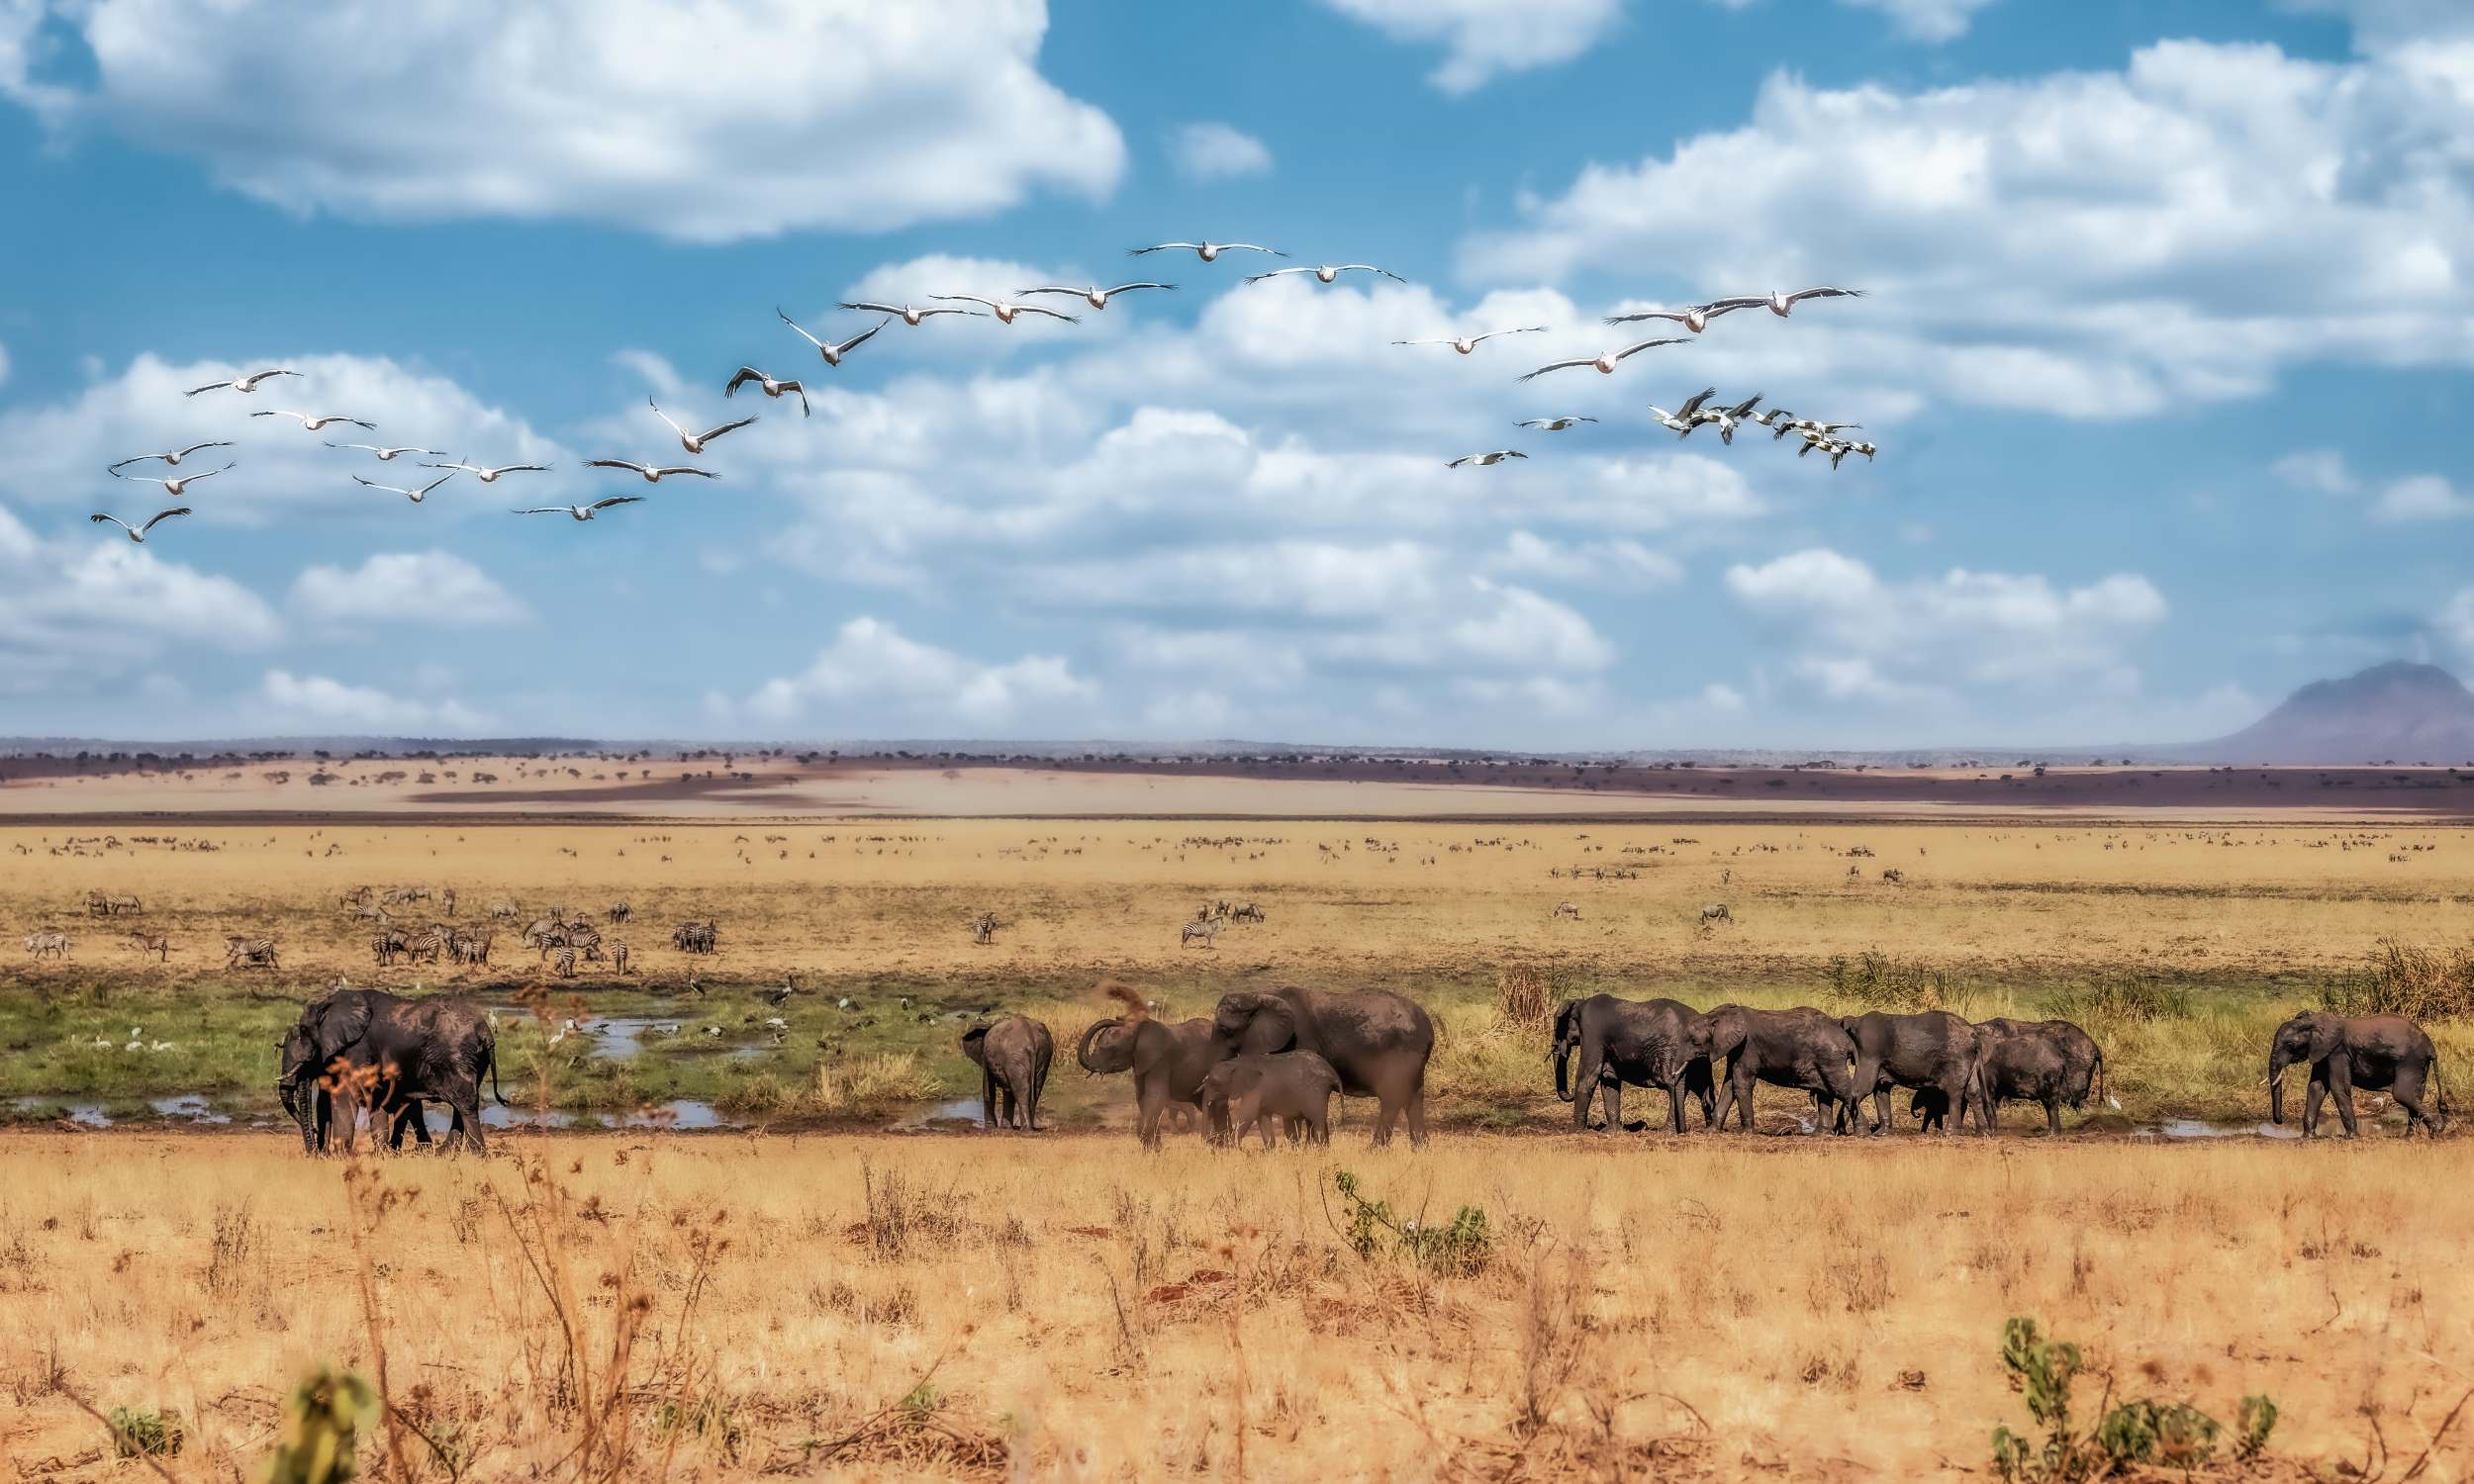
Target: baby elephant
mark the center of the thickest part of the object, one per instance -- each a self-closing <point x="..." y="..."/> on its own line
<point x="1296" y="1087"/>
<point x="1012" y="1054"/>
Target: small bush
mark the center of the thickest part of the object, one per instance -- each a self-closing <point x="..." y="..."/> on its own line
<point x="1877" y="980"/>
<point x="2410" y="981"/>
<point x="2119" y="997"/>
<point x="324" y="1421"/>
<point x="1454" y="1250"/>
<point x="2142" y="1432"/>
<point x="873" y="1084"/>
<point x="138" y="1434"/>
<point x="1524" y="995"/>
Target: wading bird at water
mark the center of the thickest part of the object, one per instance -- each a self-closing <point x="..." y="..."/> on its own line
<point x="137" y="533"/>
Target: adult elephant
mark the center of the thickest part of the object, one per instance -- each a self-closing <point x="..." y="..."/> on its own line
<point x="1169" y="1062"/>
<point x="2345" y="1052"/>
<point x="1012" y="1054"/>
<point x="2050" y="1062"/>
<point x="1932" y="1048"/>
<point x="440" y="1047"/>
<point x="1641" y="1042"/>
<point x="1378" y="1041"/>
<point x="1803" y="1048"/>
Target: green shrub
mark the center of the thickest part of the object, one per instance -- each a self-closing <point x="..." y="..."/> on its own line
<point x="2410" y="981"/>
<point x="2128" y="997"/>
<point x="138" y="1434"/>
<point x="1454" y="1250"/>
<point x="2140" y="1432"/>
<point x="323" y="1420"/>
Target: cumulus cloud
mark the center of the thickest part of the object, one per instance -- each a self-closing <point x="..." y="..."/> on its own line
<point x="2422" y="497"/>
<point x="2323" y="471"/>
<point x="77" y="612"/>
<point x="1926" y="19"/>
<point x="1617" y="563"/>
<point x="1855" y="636"/>
<point x="58" y="445"/>
<point x="435" y="587"/>
<point x="633" y="113"/>
<point x="316" y="701"/>
<point x="1483" y="38"/>
<point x="1212" y="150"/>
<point x="2097" y="244"/>
<point x="877" y="678"/>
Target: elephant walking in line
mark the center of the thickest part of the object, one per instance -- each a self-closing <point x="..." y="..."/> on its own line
<point x="1934" y="1049"/>
<point x="1169" y="1062"/>
<point x="1294" y="1088"/>
<point x="440" y="1046"/>
<point x="1803" y="1048"/>
<point x="1641" y="1042"/>
<point x="1012" y="1054"/>
<point x="2050" y="1062"/>
<point x="1378" y="1041"/>
<point x="2345" y="1052"/>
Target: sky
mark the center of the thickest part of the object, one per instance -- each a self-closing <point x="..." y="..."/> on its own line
<point x="2165" y="342"/>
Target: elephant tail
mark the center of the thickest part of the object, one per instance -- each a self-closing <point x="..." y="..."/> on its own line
<point x="489" y="1059"/>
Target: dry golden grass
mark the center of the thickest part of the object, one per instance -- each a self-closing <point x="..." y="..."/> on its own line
<point x="881" y="897"/>
<point x="1061" y="1308"/>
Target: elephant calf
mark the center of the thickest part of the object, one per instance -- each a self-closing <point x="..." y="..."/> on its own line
<point x="1012" y="1054"/>
<point x="1296" y="1087"/>
<point x="2345" y="1052"/>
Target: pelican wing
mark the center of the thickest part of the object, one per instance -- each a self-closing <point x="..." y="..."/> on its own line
<point x="1587" y="360"/>
<point x="1693" y="407"/>
<point x="1648" y="345"/>
<point x="1429" y="340"/>
<point x="1639" y="315"/>
<point x="1164" y="246"/>
<point x="787" y="320"/>
<point x="861" y="339"/>
<point x="745" y="375"/>
<point x="546" y="509"/>
<point x="390" y="489"/>
<point x="603" y="505"/>
<point x="968" y="299"/>
<point x="1525" y="330"/>
<point x="870" y="306"/>
<point x="115" y="469"/>
<point x="1369" y="268"/>
<point x="1033" y="309"/>
<point x="618" y="464"/>
<point x="1717" y="306"/>
<point x="194" y="447"/>
<point x="1275" y="273"/>
<point x="718" y="432"/>
<point x="1824" y="293"/>
<point x="685" y="469"/>
<point x="1052" y="289"/>
<point x="1125" y="288"/>
<point x="115" y="519"/>
<point x="521" y="469"/>
<point x="212" y="385"/>
<point x="433" y="484"/>
<point x="162" y="516"/>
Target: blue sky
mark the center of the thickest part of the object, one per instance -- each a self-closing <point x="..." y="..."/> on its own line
<point x="2171" y="312"/>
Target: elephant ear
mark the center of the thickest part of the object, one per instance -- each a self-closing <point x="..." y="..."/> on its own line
<point x="342" y="1019"/>
<point x="1271" y="1028"/>
<point x="974" y="1043"/>
<point x="2326" y="1032"/>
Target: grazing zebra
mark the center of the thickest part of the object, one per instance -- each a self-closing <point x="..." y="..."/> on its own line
<point x="369" y="911"/>
<point x="585" y="938"/>
<point x="619" y="913"/>
<point x="619" y="957"/>
<point x="502" y="909"/>
<point x="48" y="945"/>
<point x="469" y="947"/>
<point x="562" y="960"/>
<point x="427" y="946"/>
<point x="389" y="944"/>
<point x="158" y="944"/>
<point x="1568" y="909"/>
<point x="249" y="953"/>
<point x="1206" y="932"/>
<point x="1246" y="912"/>
<point x="545" y="932"/>
<point x="1219" y="909"/>
<point x="695" y="937"/>
<point x="1716" y="913"/>
<point x="360" y="896"/>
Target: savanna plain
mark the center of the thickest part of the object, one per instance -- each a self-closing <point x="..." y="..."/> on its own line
<point x="842" y="1279"/>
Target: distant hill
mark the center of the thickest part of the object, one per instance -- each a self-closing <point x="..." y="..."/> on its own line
<point x="2398" y="712"/>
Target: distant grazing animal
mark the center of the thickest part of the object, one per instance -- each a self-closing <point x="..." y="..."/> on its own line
<point x="249" y="953"/>
<point x="1206" y="933"/>
<point x="562" y="960"/>
<point x="619" y="957"/>
<point x="1716" y="912"/>
<point x="1570" y="909"/>
<point x="48" y="945"/>
<point x="1246" y="912"/>
<point x="984" y="928"/>
<point x="620" y="911"/>
<point x="158" y="944"/>
<point x="694" y="937"/>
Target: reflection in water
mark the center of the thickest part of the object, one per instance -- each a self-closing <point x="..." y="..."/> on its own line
<point x="2195" y="1127"/>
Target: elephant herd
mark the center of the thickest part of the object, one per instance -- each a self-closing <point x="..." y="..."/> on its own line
<point x="1951" y="1068"/>
<point x="1273" y="1060"/>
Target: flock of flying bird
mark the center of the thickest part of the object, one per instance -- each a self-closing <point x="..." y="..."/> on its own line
<point x="1693" y="415"/>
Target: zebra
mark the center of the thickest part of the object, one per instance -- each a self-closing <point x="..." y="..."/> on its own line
<point x="427" y="945"/>
<point x="113" y="906"/>
<point x="48" y="945"/>
<point x="585" y="938"/>
<point x="1219" y="909"/>
<point x="695" y="937"/>
<point x="1246" y="911"/>
<point x="469" y="947"/>
<point x="502" y="909"/>
<point x="619" y="957"/>
<point x="360" y="896"/>
<point x="984" y="928"/>
<point x="447" y="899"/>
<point x="158" y="944"/>
<point x="389" y="944"/>
<point x="1568" y="909"/>
<point x="619" y="913"/>
<point x="1207" y="932"/>
<point x="545" y="932"/>
<point x="1716" y="913"/>
<point x="249" y="953"/>
<point x="562" y="960"/>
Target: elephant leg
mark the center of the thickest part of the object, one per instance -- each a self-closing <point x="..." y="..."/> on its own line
<point x="1592" y="1064"/>
<point x="1881" y="1108"/>
<point x="1414" y="1103"/>
<point x="1675" y="1104"/>
<point x="2340" y="1091"/>
<point x="1612" y="1097"/>
<point x="2052" y="1115"/>
<point x="2310" y="1106"/>
<point x="988" y="1098"/>
<point x="1702" y="1082"/>
<point x="1152" y="1102"/>
<point x="467" y="1106"/>
<point x="2407" y="1091"/>
<point x="1868" y="1072"/>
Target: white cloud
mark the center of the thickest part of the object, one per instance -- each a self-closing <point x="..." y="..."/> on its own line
<point x="882" y="678"/>
<point x="2422" y="497"/>
<point x="1213" y="150"/>
<point x="1926" y="19"/>
<point x="2100" y="245"/>
<point x="2321" y="470"/>
<point x="1483" y="38"/>
<point x="1617" y="563"/>
<point x="1855" y="636"/>
<point x="57" y="446"/>
<point x="316" y="700"/>
<point x="77" y="612"/>
<point x="2457" y="620"/>
<point x="436" y="588"/>
<point x="4" y="365"/>
<point x="724" y="120"/>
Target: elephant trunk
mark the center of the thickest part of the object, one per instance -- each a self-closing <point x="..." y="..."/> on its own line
<point x="2277" y="1062"/>
<point x="1562" y="1057"/>
<point x="1091" y="1034"/>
